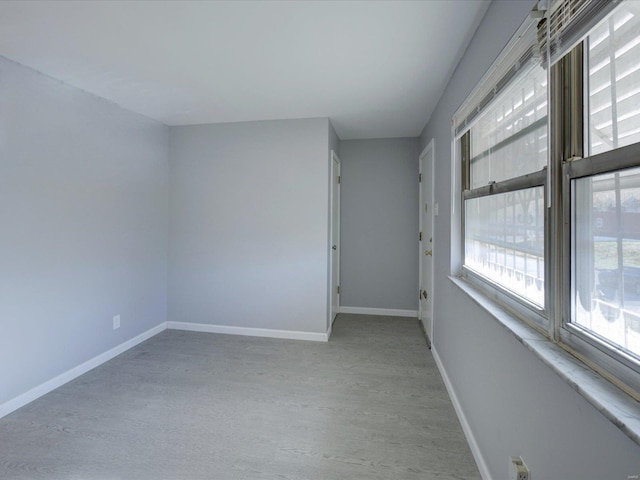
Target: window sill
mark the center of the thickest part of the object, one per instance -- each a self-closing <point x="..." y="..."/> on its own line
<point x="622" y="410"/>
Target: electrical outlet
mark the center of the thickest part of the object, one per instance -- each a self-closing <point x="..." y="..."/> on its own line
<point x="116" y="322"/>
<point x="435" y="209"/>
<point x="518" y="469"/>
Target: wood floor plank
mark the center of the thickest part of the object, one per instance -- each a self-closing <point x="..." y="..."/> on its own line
<point x="370" y="404"/>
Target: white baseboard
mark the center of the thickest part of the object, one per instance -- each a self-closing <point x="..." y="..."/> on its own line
<point x="46" y="387"/>
<point x="387" y="312"/>
<point x="50" y="385"/>
<point x="466" y="428"/>
<point x="250" y="332"/>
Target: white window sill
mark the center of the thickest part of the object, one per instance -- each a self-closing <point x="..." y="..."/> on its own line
<point x="621" y="409"/>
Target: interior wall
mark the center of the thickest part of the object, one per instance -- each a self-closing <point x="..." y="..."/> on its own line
<point x="249" y="224"/>
<point x="84" y="221"/>
<point x="334" y="140"/>
<point x="514" y="404"/>
<point x="379" y="223"/>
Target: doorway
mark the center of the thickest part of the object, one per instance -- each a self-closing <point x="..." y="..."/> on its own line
<point x="425" y="243"/>
<point x="334" y="247"/>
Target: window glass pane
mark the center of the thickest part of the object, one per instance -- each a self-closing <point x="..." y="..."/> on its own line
<point x="504" y="241"/>
<point x="614" y="80"/>
<point x="606" y="245"/>
<point x="510" y="138"/>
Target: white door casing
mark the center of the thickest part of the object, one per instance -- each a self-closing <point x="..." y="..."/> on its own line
<point x="334" y="244"/>
<point x="425" y="243"/>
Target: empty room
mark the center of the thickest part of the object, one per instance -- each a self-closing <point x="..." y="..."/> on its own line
<point x="320" y="240"/>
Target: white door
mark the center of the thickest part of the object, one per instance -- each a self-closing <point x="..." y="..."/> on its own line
<point x="335" y="237"/>
<point x="426" y="238"/>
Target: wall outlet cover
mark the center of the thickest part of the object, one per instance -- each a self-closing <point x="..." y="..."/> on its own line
<point x="518" y="469"/>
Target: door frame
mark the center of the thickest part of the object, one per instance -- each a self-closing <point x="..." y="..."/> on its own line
<point x="333" y="161"/>
<point x="430" y="177"/>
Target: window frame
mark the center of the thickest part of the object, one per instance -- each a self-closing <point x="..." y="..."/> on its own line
<point x="613" y="358"/>
<point x="567" y="161"/>
<point x="534" y="315"/>
<point x="574" y="162"/>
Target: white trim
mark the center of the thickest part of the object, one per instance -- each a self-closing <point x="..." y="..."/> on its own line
<point x="36" y="392"/>
<point x="429" y="149"/>
<point x="420" y="203"/>
<point x="387" y="312"/>
<point x="50" y="385"/>
<point x="466" y="428"/>
<point x="333" y="157"/>
<point x="249" y="332"/>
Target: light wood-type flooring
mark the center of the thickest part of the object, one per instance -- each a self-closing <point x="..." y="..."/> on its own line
<point x="369" y="404"/>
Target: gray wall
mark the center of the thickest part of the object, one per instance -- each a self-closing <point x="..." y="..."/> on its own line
<point x="83" y="216"/>
<point x="334" y="141"/>
<point x="515" y="405"/>
<point x="249" y="224"/>
<point x="379" y="223"/>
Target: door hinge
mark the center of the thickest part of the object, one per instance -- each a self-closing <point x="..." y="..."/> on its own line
<point x="419" y="178"/>
<point x="338" y="289"/>
<point x="339" y="179"/>
<point x="420" y="236"/>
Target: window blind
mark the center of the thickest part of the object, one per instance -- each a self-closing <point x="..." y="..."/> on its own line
<point x="569" y="22"/>
<point x="521" y="52"/>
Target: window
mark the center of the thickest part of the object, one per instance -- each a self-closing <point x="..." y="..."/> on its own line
<point x="504" y="241"/>
<point x="549" y="149"/>
<point x="614" y="80"/>
<point x="604" y="193"/>
<point x="606" y="246"/>
<point x="503" y="205"/>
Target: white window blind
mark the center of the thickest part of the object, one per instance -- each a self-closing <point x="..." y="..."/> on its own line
<point x="561" y="24"/>
<point x="569" y="22"/>
<point x="614" y="80"/>
<point x="520" y="53"/>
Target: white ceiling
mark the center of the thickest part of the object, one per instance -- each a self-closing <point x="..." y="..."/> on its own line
<point x="377" y="69"/>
